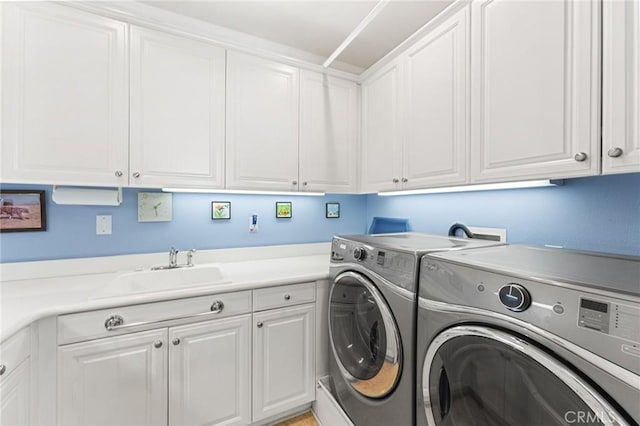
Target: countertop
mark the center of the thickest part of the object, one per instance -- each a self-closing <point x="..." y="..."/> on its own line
<point x="25" y="299"/>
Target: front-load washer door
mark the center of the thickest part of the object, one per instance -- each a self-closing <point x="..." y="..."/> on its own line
<point x="364" y="336"/>
<point x="474" y="375"/>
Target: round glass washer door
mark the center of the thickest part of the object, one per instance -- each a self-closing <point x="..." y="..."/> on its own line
<point x="480" y="375"/>
<point x="364" y="336"/>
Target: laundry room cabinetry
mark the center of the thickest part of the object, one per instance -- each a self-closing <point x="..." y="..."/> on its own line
<point x="177" y="111"/>
<point x="328" y="145"/>
<point x="65" y="94"/>
<point x="535" y="89"/>
<point x="415" y="113"/>
<point x="284" y="351"/>
<point x="15" y="380"/>
<point x="262" y="124"/>
<point x="621" y="87"/>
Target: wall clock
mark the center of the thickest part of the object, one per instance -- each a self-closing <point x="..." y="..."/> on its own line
<point x="155" y="206"/>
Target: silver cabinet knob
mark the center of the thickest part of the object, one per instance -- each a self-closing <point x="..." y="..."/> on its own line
<point x="157" y="344"/>
<point x="217" y="306"/>
<point x="395" y="180"/>
<point x="113" y="321"/>
<point x="581" y="156"/>
<point x="615" y="152"/>
<point x="136" y="175"/>
<point x="118" y="173"/>
<point x="295" y="182"/>
<point x="405" y="180"/>
<point x="305" y="183"/>
<point x="287" y="297"/>
<point x="3" y="368"/>
<point x="176" y="341"/>
<point x="259" y="324"/>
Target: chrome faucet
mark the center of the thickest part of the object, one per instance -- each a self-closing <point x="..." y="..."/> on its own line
<point x="173" y="258"/>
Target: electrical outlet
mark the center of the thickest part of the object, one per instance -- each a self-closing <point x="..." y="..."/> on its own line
<point x="103" y="225"/>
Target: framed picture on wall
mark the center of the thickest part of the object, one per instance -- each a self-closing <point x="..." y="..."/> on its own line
<point x="22" y="211"/>
<point x="220" y="210"/>
<point x="333" y="210"/>
<point x="283" y="210"/>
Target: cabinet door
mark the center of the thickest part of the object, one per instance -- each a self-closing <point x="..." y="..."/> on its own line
<point x="534" y="89"/>
<point x="262" y="124"/>
<point x="437" y="97"/>
<point x="177" y="111"/>
<point x="381" y="138"/>
<point x="15" y="396"/>
<point x="621" y="87"/>
<point x="114" y="381"/>
<point x="328" y="133"/>
<point x="65" y="96"/>
<point x="283" y="360"/>
<point x="210" y="373"/>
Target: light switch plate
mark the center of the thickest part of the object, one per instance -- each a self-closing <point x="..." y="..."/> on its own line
<point x="103" y="225"/>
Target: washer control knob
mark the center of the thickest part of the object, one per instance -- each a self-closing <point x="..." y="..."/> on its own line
<point x="360" y="254"/>
<point x="514" y="297"/>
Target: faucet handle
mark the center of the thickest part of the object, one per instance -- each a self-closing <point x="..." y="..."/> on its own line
<point x="190" y="254"/>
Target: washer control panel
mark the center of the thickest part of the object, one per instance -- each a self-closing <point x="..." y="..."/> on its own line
<point x="615" y="319"/>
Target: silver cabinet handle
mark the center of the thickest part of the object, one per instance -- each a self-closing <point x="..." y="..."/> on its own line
<point x="136" y="175"/>
<point x="116" y="322"/>
<point x="615" y="152"/>
<point x="113" y="321"/>
<point x="295" y="182"/>
<point x="405" y="180"/>
<point x="259" y="324"/>
<point x="118" y="173"/>
<point x="158" y="344"/>
<point x="217" y="307"/>
<point x="395" y="180"/>
<point x="287" y="296"/>
<point x="580" y="157"/>
<point x="3" y="368"/>
<point x="176" y="341"/>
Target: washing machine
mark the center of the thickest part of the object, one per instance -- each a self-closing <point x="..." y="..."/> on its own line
<point x="372" y="322"/>
<point x="520" y="335"/>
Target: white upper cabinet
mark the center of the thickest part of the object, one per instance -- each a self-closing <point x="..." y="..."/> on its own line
<point x="328" y="133"/>
<point x="177" y="111"/>
<point x="64" y="96"/>
<point x="534" y="89"/>
<point x="621" y="87"/>
<point x="436" y="95"/>
<point x="262" y="124"/>
<point x="381" y="138"/>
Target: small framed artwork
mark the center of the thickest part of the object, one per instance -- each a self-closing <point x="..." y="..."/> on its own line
<point x="333" y="210"/>
<point x="283" y="209"/>
<point x="22" y="211"/>
<point x="220" y="210"/>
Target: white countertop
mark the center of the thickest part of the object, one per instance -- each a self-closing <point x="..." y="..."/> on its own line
<point x="33" y="290"/>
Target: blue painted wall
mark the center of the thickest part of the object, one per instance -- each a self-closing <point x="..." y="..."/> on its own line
<point x="600" y="213"/>
<point x="71" y="230"/>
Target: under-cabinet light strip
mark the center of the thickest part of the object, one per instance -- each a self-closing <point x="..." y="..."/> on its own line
<point x="357" y="30"/>
<point x="483" y="187"/>
<point x="241" y="191"/>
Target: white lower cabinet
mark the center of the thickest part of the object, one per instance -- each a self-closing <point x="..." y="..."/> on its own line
<point x="199" y="373"/>
<point x="15" y="392"/>
<point x="114" y="381"/>
<point x="283" y="360"/>
<point x="210" y="373"/>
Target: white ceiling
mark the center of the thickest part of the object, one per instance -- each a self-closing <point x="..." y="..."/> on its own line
<point x="316" y="26"/>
